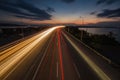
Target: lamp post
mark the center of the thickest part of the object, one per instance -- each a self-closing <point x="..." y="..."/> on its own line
<point x="82" y="23"/>
<point x="22" y="30"/>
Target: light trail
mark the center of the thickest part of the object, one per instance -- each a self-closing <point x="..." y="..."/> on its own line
<point x="6" y="53"/>
<point x="7" y="65"/>
<point x="60" y="55"/>
<point x="48" y="55"/>
<point x="93" y="66"/>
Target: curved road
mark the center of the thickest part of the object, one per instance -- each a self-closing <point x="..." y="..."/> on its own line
<point x="53" y="54"/>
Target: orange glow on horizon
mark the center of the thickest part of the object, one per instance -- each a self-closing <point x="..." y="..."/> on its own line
<point x="65" y="21"/>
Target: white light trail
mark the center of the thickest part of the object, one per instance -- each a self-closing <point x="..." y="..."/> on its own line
<point x="6" y="66"/>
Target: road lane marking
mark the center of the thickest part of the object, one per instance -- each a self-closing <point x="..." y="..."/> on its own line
<point x="57" y="69"/>
<point x="76" y="70"/>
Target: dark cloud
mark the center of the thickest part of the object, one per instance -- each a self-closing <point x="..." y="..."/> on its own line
<point x="33" y="11"/>
<point x="32" y="17"/>
<point x="106" y="23"/>
<point x="68" y="1"/>
<point x="111" y="1"/>
<point x="108" y="2"/>
<point x="100" y="1"/>
<point x="109" y="13"/>
<point x="93" y="13"/>
<point x="50" y="10"/>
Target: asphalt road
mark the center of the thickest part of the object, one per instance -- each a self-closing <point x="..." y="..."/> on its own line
<point x="54" y="54"/>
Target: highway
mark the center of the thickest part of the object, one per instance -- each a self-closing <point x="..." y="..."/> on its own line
<point x="54" y="54"/>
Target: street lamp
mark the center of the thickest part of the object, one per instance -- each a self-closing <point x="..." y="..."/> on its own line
<point x="22" y="32"/>
<point x="82" y="20"/>
<point x="82" y="23"/>
<point x="22" y="28"/>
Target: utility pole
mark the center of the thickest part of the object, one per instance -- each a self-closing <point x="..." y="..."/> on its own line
<point x="22" y="30"/>
<point x="82" y="23"/>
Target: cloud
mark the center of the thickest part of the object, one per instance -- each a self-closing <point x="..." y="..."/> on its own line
<point x="50" y="10"/>
<point x="31" y="17"/>
<point x="32" y="11"/>
<point x="93" y="13"/>
<point x="106" y="23"/>
<point x="111" y="1"/>
<point x="100" y="1"/>
<point x="108" y="2"/>
<point x="68" y="1"/>
<point x="109" y="13"/>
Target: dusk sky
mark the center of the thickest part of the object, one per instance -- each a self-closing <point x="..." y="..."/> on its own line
<point x="59" y="11"/>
